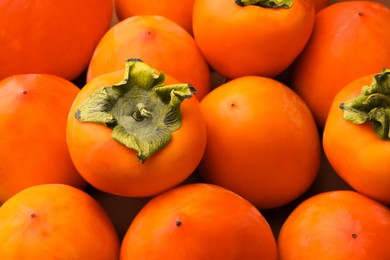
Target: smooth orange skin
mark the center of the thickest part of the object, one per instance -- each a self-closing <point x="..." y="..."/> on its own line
<point x="262" y="141"/>
<point x="54" y="38"/>
<point x="33" y="116"/>
<point x="111" y="167"/>
<point x="343" y="47"/>
<point x="238" y="41"/>
<point x="215" y="223"/>
<point x="358" y="156"/>
<point x="56" y="221"/>
<point x="322" y="227"/>
<point x="157" y="41"/>
<point x="181" y="12"/>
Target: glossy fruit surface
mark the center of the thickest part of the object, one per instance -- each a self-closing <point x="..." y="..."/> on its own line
<point x="159" y="42"/>
<point x="51" y="37"/>
<point x="240" y="39"/>
<point x="336" y="225"/>
<point x="180" y="12"/>
<point x="33" y="116"/>
<point x="199" y="221"/>
<point x="349" y="41"/>
<point x="56" y="221"/>
<point x="262" y="141"/>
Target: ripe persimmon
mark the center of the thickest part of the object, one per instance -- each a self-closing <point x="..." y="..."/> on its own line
<point x="136" y="132"/>
<point x="199" y="221"/>
<point x="33" y="116"/>
<point x="339" y="225"/>
<point x="349" y="41"/>
<point x="356" y="135"/>
<point x="240" y="38"/>
<point x="181" y="12"/>
<point x="262" y="141"/>
<point x="159" y="42"/>
<point x="51" y="37"/>
<point x="56" y="221"/>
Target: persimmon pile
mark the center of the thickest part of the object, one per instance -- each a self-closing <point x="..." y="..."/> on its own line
<point x="199" y="129"/>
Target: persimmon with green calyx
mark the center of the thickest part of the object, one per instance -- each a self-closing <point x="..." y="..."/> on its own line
<point x="371" y="105"/>
<point x="356" y="137"/>
<point x="349" y="41"/>
<point x="252" y="37"/>
<point x="138" y="135"/>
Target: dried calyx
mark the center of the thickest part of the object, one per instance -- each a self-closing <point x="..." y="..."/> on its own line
<point x="372" y="105"/>
<point x="266" y="3"/>
<point x="141" y="111"/>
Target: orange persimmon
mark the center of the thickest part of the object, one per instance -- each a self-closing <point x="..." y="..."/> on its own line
<point x="262" y="141"/>
<point x="131" y="133"/>
<point x="56" y="221"/>
<point x="350" y="40"/>
<point x="240" y="38"/>
<point x="33" y="116"/>
<point x="159" y="42"/>
<point x="339" y="225"/>
<point x="51" y="37"/>
<point x="180" y="12"/>
<point x="199" y="221"/>
<point x="356" y="136"/>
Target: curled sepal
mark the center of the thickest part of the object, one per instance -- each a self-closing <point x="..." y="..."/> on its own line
<point x="266" y="3"/>
<point x="141" y="111"/>
<point x="372" y="105"/>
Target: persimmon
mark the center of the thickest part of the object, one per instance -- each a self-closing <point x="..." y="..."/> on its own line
<point x="159" y="42"/>
<point x="262" y="141"/>
<point x="181" y="13"/>
<point x="49" y="37"/>
<point x="199" y="221"/>
<point x="240" y="38"/>
<point x="33" y="116"/>
<point x="56" y="221"/>
<point x="356" y="135"/>
<point x="348" y="41"/>
<point x="340" y="224"/>
<point x="136" y="132"/>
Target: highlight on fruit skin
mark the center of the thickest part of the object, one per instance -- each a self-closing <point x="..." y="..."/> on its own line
<point x="56" y="221"/>
<point x="199" y="221"/>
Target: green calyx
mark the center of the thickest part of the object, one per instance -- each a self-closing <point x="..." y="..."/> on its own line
<point x="372" y="105"/>
<point x="266" y="3"/>
<point x="141" y="111"/>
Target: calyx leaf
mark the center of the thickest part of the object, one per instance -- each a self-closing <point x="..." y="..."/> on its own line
<point x="141" y="111"/>
<point x="372" y="105"/>
<point x="266" y="3"/>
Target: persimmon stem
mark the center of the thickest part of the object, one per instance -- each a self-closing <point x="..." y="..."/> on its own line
<point x="372" y="105"/>
<point x="141" y="111"/>
<point x="266" y="3"/>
